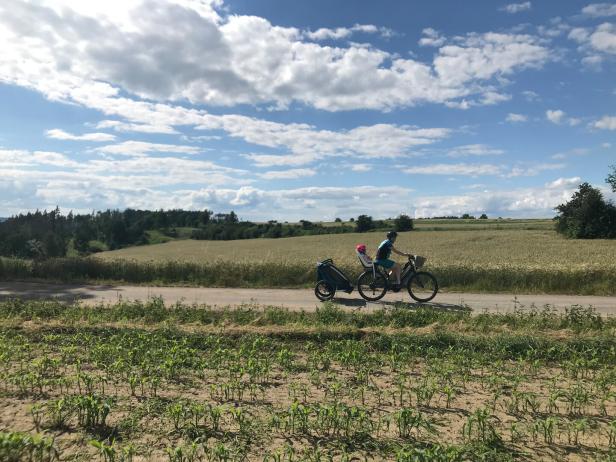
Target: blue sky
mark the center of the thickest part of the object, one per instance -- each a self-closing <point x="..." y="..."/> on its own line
<point x="305" y="109"/>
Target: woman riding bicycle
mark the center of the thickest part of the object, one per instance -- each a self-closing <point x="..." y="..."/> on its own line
<point x="382" y="257"/>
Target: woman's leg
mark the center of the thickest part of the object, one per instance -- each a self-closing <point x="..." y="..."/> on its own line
<point x="396" y="270"/>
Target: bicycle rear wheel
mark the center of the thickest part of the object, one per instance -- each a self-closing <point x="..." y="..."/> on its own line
<point x="372" y="286"/>
<point x="422" y="286"/>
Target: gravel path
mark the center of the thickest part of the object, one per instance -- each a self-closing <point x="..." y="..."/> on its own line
<point x="290" y="298"/>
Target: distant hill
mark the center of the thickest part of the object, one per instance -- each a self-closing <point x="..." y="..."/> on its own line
<point x="3" y="219"/>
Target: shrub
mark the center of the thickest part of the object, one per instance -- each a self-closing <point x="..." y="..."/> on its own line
<point x="364" y="223"/>
<point x="587" y="215"/>
<point x="403" y="223"/>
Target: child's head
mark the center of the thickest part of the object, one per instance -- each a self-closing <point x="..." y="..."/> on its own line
<point x="361" y="248"/>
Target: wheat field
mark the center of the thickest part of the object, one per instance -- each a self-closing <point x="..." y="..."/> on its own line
<point x="489" y="248"/>
<point x="514" y="261"/>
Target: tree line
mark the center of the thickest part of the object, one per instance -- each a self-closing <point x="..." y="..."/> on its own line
<point x="43" y="234"/>
<point x="49" y="233"/>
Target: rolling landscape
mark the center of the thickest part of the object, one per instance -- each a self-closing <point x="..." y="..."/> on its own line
<point x="308" y="231"/>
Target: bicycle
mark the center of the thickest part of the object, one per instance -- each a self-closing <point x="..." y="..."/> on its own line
<point x="422" y="286"/>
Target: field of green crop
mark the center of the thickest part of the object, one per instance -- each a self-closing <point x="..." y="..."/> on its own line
<point x="145" y="381"/>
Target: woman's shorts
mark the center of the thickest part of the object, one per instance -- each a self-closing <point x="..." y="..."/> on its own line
<point x="385" y="263"/>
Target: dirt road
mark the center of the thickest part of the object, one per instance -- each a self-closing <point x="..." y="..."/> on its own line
<point x="290" y="298"/>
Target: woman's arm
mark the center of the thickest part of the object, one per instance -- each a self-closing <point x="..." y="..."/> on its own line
<point x="400" y="253"/>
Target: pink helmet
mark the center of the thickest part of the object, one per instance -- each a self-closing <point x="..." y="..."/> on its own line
<point x="361" y="248"/>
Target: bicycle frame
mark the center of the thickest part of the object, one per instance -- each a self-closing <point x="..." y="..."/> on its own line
<point x="407" y="271"/>
<point x="405" y="275"/>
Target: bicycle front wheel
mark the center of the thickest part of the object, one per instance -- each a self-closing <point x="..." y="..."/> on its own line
<point x="422" y="286"/>
<point x="372" y="287"/>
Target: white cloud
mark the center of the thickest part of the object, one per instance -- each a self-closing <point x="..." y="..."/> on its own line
<point x="513" y="8"/>
<point x="345" y="32"/>
<point x="593" y="62"/>
<point x="290" y="174"/>
<point x="309" y="145"/>
<point x="531" y="96"/>
<point x="361" y="168"/>
<point x="312" y="203"/>
<point x="141" y="148"/>
<point x="20" y="158"/>
<point x="560" y="182"/>
<point x="150" y="182"/>
<point x="432" y="38"/>
<point x="604" y="38"/>
<point x="557" y="116"/>
<point x="579" y="34"/>
<point x="474" y="170"/>
<point x="59" y="134"/>
<point x="594" y="42"/>
<point x="606" y="145"/>
<point x="474" y="150"/>
<point x="573" y="121"/>
<point x="521" y="202"/>
<point x="556" y="27"/>
<point x="514" y="118"/>
<point x="133" y="127"/>
<point x="242" y="60"/>
<point x="606" y="123"/>
<point x="455" y="169"/>
<point x="491" y="97"/>
<point x="570" y="153"/>
<point x="532" y="170"/>
<point x="597" y="10"/>
<point x="153" y="183"/>
<point x="481" y="57"/>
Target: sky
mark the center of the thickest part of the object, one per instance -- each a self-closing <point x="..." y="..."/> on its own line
<point x="305" y="109"/>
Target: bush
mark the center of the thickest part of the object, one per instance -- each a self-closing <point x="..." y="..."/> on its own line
<point x="587" y="215"/>
<point x="364" y="223"/>
<point x="403" y="223"/>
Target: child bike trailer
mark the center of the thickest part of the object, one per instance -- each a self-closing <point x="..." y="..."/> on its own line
<point x="329" y="279"/>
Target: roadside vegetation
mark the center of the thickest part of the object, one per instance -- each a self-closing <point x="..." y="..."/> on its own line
<point x="146" y="381"/>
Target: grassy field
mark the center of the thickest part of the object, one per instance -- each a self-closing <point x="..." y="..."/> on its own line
<point x="513" y="256"/>
<point x="137" y="381"/>
<point x="529" y="248"/>
<point x="521" y="260"/>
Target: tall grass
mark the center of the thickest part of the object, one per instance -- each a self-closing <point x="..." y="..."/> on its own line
<point x="482" y="278"/>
